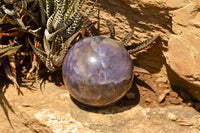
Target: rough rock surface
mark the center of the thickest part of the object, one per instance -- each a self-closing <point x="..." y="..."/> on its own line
<point x="176" y="54"/>
<point x="52" y="110"/>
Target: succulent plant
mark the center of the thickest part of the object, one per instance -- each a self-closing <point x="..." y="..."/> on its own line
<point x="48" y="26"/>
<point x="15" y="22"/>
<point x="63" y="23"/>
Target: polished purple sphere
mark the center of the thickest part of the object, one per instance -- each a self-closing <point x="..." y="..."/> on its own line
<point x="97" y="71"/>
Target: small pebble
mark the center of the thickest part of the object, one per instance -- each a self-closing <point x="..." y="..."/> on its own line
<point x="197" y="24"/>
<point x="190" y="104"/>
<point x="160" y="85"/>
<point x="161" y="79"/>
<point x="175" y="101"/>
<point x="147" y="100"/>
<point x="174" y="94"/>
<point x="163" y="95"/>
<point x="172" y="117"/>
<point x="152" y="106"/>
<point x="50" y="78"/>
<point x="181" y="99"/>
<point x="137" y="74"/>
<point x="163" y="85"/>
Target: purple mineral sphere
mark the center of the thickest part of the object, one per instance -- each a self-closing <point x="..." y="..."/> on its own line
<point x="97" y="71"/>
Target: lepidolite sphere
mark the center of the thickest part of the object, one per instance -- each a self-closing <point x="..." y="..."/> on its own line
<point x="97" y="71"/>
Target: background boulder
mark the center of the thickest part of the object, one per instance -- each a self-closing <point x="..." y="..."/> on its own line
<point x="176" y="54"/>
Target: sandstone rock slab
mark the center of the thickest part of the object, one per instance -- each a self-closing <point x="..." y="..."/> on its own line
<point x="52" y="110"/>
